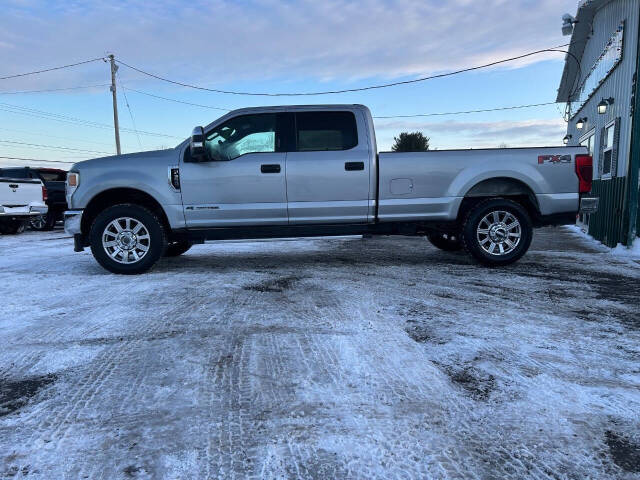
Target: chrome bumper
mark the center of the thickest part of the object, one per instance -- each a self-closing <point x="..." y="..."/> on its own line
<point x="39" y="210"/>
<point x="26" y="211"/>
<point x="72" y="221"/>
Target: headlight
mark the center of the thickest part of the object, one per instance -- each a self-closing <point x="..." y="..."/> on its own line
<point x="73" y="180"/>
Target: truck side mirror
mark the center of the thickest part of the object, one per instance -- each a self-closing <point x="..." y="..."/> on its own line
<point x="196" y="145"/>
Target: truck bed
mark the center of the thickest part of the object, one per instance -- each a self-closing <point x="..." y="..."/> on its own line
<point x="431" y="185"/>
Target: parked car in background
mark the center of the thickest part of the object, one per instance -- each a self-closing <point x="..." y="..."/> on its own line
<point x="21" y="199"/>
<point x="54" y="182"/>
<point x="304" y="171"/>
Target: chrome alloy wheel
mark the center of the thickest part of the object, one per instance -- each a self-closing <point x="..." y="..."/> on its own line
<point x="126" y="240"/>
<point x="499" y="232"/>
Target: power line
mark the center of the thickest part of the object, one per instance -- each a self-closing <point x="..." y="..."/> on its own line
<point x="176" y="101"/>
<point x="18" y="92"/>
<point x="53" y="147"/>
<point x="51" y="69"/>
<point x="39" y="134"/>
<point x="515" y="107"/>
<point x="381" y="117"/>
<point x="74" y="120"/>
<point x="33" y="160"/>
<point x="133" y="122"/>
<point x="349" y="90"/>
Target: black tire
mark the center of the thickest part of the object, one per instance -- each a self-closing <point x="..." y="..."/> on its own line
<point x="43" y="223"/>
<point x="175" y="249"/>
<point x="478" y="243"/>
<point x="12" y="227"/>
<point x="156" y="243"/>
<point x="445" y="241"/>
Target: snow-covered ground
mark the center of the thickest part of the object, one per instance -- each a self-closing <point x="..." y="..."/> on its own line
<point x="342" y="358"/>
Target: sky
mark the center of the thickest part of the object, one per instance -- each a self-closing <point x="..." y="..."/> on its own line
<point x="272" y="46"/>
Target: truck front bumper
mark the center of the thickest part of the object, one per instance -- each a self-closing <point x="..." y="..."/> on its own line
<point x="72" y="225"/>
<point x="73" y="222"/>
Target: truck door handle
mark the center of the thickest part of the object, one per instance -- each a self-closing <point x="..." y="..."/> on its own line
<point x="13" y="185"/>
<point x="351" y="166"/>
<point x="274" y="168"/>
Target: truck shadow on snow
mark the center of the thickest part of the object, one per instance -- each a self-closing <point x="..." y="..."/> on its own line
<point x="329" y="257"/>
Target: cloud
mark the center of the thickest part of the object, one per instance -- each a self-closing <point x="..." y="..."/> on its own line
<point x="218" y="42"/>
<point x="457" y="134"/>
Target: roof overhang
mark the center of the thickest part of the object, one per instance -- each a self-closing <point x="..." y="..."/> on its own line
<point x="581" y="31"/>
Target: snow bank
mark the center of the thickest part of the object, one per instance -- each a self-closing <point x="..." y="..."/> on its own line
<point x="619" y="251"/>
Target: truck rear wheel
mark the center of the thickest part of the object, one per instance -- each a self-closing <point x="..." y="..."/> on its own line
<point x="44" y="222"/>
<point x="127" y="239"/>
<point x="445" y="241"/>
<point x="497" y="232"/>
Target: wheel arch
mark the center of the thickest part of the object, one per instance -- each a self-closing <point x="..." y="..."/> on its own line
<point x="500" y="187"/>
<point x="115" y="196"/>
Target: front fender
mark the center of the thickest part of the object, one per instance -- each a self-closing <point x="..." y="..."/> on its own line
<point x="150" y="183"/>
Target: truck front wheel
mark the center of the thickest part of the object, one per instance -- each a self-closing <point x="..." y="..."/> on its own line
<point x="497" y="232"/>
<point x="127" y="239"/>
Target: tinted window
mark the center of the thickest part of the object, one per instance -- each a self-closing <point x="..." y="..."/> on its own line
<point x="53" y="176"/>
<point x="320" y="131"/>
<point x="241" y="135"/>
<point x="14" y="173"/>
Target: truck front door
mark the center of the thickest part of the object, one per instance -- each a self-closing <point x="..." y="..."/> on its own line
<point x="328" y="169"/>
<point x="243" y="183"/>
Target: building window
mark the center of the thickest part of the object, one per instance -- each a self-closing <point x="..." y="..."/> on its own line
<point x="588" y="141"/>
<point x="607" y="150"/>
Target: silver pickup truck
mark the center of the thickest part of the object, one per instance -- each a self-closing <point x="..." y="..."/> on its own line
<point x="304" y="171"/>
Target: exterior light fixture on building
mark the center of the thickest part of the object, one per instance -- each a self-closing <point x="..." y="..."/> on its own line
<point x="567" y="24"/>
<point x="566" y="139"/>
<point x="581" y="122"/>
<point x="604" y="104"/>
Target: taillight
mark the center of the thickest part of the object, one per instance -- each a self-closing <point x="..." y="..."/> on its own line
<point x="584" y="170"/>
<point x="44" y="193"/>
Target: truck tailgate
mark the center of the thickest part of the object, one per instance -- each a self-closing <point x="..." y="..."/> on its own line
<point x="20" y="192"/>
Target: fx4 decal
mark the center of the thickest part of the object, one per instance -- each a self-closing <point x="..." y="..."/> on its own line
<point x="553" y="159"/>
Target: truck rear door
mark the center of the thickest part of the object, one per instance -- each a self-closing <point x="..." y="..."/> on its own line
<point x="327" y="168"/>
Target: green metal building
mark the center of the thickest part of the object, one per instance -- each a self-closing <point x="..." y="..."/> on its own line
<point x="600" y="87"/>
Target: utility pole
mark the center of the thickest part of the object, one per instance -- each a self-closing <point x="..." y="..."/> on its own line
<point x="114" y="69"/>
